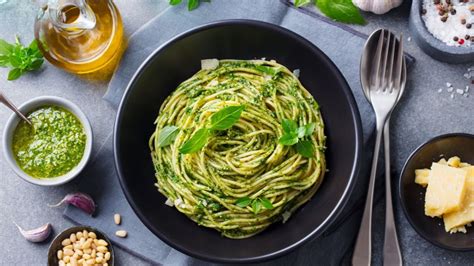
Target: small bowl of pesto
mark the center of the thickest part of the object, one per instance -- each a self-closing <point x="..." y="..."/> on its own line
<point x="55" y="148"/>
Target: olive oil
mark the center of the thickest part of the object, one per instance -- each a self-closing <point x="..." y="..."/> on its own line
<point x="81" y="36"/>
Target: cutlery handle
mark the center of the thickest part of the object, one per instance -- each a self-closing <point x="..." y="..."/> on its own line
<point x="12" y="107"/>
<point x="391" y="248"/>
<point x="363" y="248"/>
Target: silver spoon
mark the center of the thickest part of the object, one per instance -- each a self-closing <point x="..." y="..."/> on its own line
<point x="383" y="76"/>
<point x="391" y="248"/>
<point x="7" y="103"/>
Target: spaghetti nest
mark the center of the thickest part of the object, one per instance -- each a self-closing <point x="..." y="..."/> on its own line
<point x="242" y="179"/>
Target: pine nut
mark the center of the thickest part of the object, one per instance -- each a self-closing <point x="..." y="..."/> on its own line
<point x="60" y="254"/>
<point x="68" y="252"/>
<point x="105" y="264"/>
<point x="66" y="242"/>
<point x="73" y="238"/>
<point x="73" y="261"/>
<point x="66" y="259"/>
<point x="117" y="218"/>
<point x="98" y="260"/>
<point x="102" y="249"/>
<point x="85" y="233"/>
<point x="68" y="247"/>
<point x="78" y="252"/>
<point x="121" y="233"/>
<point x="102" y="242"/>
<point x="100" y="254"/>
<point x="90" y="261"/>
<point x="93" y="253"/>
<point x="87" y="251"/>
<point x="107" y="256"/>
<point x="92" y="235"/>
<point x="61" y="263"/>
<point x="78" y="235"/>
<point x="86" y="256"/>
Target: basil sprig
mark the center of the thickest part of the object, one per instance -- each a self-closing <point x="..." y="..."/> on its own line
<point x="297" y="135"/>
<point x="256" y="204"/>
<point x="221" y="120"/>
<point x="339" y="10"/>
<point x="19" y="58"/>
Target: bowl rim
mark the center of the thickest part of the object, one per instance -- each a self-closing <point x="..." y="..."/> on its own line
<point x="27" y="107"/>
<point x="335" y="213"/>
<point x="401" y="191"/>
<point x="64" y="234"/>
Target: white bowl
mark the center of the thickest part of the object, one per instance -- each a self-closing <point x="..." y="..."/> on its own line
<point x="30" y="106"/>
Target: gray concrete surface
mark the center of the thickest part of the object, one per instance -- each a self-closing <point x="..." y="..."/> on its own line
<point x="422" y="114"/>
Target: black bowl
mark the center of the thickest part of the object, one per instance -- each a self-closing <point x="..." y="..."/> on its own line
<point x="56" y="243"/>
<point x="178" y="60"/>
<point x="412" y="196"/>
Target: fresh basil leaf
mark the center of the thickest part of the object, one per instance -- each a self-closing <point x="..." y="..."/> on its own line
<point x="341" y="10"/>
<point x="33" y="45"/>
<point x="175" y="2"/>
<point x="267" y="204"/>
<point x="300" y="3"/>
<point x="35" y="64"/>
<point x="256" y="206"/>
<point x="196" y="142"/>
<point x="243" y="202"/>
<point x="193" y="4"/>
<point x="305" y="148"/>
<point x="4" y="60"/>
<point x="15" y="61"/>
<point x="289" y="126"/>
<point x="268" y="70"/>
<point x="288" y="139"/>
<point x="167" y="135"/>
<point x="301" y="132"/>
<point x="226" y="118"/>
<point x="309" y="129"/>
<point x="14" y="73"/>
<point x="5" y="47"/>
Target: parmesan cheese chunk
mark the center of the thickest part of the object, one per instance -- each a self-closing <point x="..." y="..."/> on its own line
<point x="446" y="189"/>
<point x="465" y="214"/>
<point x="421" y="176"/>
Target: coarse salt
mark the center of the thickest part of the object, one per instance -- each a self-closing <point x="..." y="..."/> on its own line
<point x="447" y="26"/>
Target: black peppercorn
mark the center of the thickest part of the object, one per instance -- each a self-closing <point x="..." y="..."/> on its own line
<point x="456" y="38"/>
<point x="468" y="25"/>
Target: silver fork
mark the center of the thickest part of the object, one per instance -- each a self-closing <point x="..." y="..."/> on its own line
<point x="383" y="83"/>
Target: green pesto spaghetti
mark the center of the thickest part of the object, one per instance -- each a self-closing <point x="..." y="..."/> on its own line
<point x="237" y="177"/>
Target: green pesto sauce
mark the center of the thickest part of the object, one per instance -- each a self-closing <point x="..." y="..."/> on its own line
<point x="53" y="146"/>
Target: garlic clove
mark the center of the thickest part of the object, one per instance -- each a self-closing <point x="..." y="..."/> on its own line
<point x="79" y="200"/>
<point x="377" y="6"/>
<point x="36" y="235"/>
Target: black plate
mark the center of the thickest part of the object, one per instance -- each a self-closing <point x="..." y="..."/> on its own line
<point x="178" y="60"/>
<point x="412" y="196"/>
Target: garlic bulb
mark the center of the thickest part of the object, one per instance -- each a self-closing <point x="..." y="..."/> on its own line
<point x="377" y="6"/>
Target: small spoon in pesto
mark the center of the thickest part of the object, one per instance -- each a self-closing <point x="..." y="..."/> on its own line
<point x="10" y="105"/>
